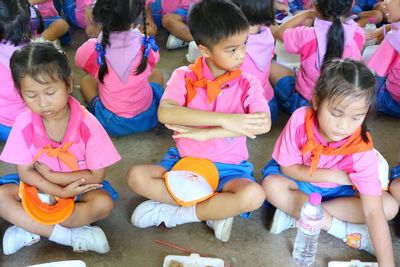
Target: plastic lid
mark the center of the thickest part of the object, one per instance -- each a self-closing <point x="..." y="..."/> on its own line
<point x="315" y="199"/>
<point x="372" y="20"/>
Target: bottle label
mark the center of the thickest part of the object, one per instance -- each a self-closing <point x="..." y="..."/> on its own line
<point x="310" y="227"/>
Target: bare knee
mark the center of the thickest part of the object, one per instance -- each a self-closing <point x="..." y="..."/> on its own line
<point x="8" y="192"/>
<point x="167" y="20"/>
<point x="103" y="205"/>
<point x="135" y="180"/>
<point x="252" y="196"/>
<point x="272" y="185"/>
<point x="390" y="206"/>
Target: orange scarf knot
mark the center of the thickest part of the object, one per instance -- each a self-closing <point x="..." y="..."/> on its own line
<point x="213" y="87"/>
<point x="61" y="153"/>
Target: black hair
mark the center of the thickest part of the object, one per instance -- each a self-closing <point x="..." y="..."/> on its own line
<point x="346" y="80"/>
<point x="257" y="12"/>
<point x="115" y="16"/>
<point x="14" y="21"/>
<point x="43" y="62"/>
<point x="334" y="11"/>
<point x="212" y="20"/>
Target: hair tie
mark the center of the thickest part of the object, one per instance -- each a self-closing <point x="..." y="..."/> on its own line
<point x="149" y="43"/>
<point x="101" y="52"/>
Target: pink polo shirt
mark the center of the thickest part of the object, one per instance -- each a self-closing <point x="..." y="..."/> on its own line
<point x="170" y="6"/>
<point x="91" y="144"/>
<point x="123" y="92"/>
<point x="11" y="103"/>
<point x="361" y="167"/>
<point x="386" y="63"/>
<point x="303" y="40"/>
<point x="47" y="9"/>
<point x="260" y="51"/>
<point x="242" y="95"/>
<point x="80" y="11"/>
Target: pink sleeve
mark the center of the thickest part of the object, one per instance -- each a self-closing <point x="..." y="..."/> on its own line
<point x="88" y="2"/>
<point x="382" y="58"/>
<point x="154" y="57"/>
<point x="100" y="151"/>
<point x="16" y="150"/>
<point x="255" y="100"/>
<point x="359" y="38"/>
<point x="287" y="148"/>
<point x="365" y="175"/>
<point x="149" y="2"/>
<point x="84" y="52"/>
<point x="176" y="86"/>
<point x="295" y="38"/>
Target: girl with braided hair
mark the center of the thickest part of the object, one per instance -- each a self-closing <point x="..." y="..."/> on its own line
<point x="332" y="36"/>
<point x="122" y="88"/>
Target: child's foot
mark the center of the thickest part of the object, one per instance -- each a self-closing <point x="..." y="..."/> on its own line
<point x="281" y="222"/>
<point x="16" y="238"/>
<point x="222" y="228"/>
<point x="153" y="213"/>
<point x="174" y="42"/>
<point x="91" y="238"/>
<point x="357" y="236"/>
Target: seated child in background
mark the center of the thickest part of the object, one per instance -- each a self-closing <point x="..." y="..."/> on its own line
<point x="212" y="106"/>
<point x="386" y="64"/>
<point x="59" y="148"/>
<point x="365" y="10"/>
<point x="15" y="33"/>
<point x="123" y="89"/>
<point x="327" y="149"/>
<point x="260" y="45"/>
<point x="55" y="26"/>
<point x="328" y="38"/>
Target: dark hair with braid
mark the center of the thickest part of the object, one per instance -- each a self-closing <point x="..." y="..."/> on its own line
<point x="117" y="16"/>
<point x="334" y="11"/>
<point x="346" y="80"/>
<point x="14" y="21"/>
<point x="257" y="12"/>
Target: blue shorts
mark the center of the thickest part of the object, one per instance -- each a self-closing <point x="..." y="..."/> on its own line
<point x="120" y="126"/>
<point x="274" y="109"/>
<point x="69" y="8"/>
<point x="395" y="173"/>
<point x="14" y="179"/>
<point x="384" y="100"/>
<point x="156" y="10"/>
<point x="295" y="6"/>
<point x="289" y="99"/>
<point x="66" y="38"/>
<point x="227" y="172"/>
<point x="273" y="167"/>
<point x="182" y="12"/>
<point x="4" y="132"/>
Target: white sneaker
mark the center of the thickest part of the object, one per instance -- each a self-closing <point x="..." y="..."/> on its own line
<point x="281" y="222"/>
<point x="16" y="238"/>
<point x="357" y="236"/>
<point x="153" y="213"/>
<point x="174" y="42"/>
<point x="89" y="238"/>
<point x="222" y="228"/>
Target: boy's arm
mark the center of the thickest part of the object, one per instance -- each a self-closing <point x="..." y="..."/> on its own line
<point x="293" y="22"/>
<point x="301" y="173"/>
<point x="378" y="229"/>
<point x="66" y="178"/>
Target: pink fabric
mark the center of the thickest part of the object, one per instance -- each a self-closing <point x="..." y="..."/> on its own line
<point x="28" y="137"/>
<point x="47" y="9"/>
<point x="80" y="11"/>
<point x="303" y="40"/>
<point x="386" y="63"/>
<point x="322" y="27"/>
<point x="11" y="103"/>
<point x="393" y="37"/>
<point x="260" y="51"/>
<point x="361" y="167"/>
<point x="170" y="6"/>
<point x="149" y="2"/>
<point x="242" y="95"/>
<point x="134" y="96"/>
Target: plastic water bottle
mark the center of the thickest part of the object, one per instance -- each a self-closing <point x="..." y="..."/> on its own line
<point x="370" y="28"/>
<point x="309" y="227"/>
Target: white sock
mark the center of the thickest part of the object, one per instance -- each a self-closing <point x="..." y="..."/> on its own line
<point x="183" y="215"/>
<point x="337" y="229"/>
<point x="61" y="235"/>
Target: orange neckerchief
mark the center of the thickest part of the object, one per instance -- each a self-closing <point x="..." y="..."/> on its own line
<point x="62" y="154"/>
<point x="353" y="145"/>
<point x="213" y="87"/>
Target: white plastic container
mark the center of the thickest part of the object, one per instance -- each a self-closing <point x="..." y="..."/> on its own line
<point x="353" y="263"/>
<point x="74" y="263"/>
<point x="194" y="260"/>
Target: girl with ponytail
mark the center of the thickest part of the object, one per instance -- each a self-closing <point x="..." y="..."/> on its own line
<point x="333" y="35"/>
<point x="122" y="88"/>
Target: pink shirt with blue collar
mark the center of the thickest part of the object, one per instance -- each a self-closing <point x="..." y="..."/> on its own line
<point x="260" y="51"/>
<point x="90" y="143"/>
<point x="123" y="92"/>
<point x="11" y="102"/>
<point x="361" y="167"/>
<point x="310" y="43"/>
<point x="241" y="95"/>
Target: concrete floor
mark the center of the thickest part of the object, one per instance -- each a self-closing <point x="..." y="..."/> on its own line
<point x="250" y="243"/>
